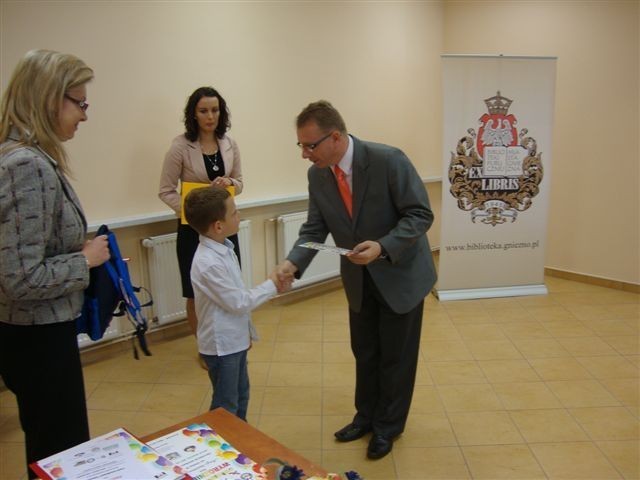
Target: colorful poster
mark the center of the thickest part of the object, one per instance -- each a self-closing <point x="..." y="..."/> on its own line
<point x="205" y="455"/>
<point x="114" y="456"/>
<point x="498" y="120"/>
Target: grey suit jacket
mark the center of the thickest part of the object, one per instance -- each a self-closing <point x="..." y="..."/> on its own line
<point x="390" y="206"/>
<point x="42" y="230"/>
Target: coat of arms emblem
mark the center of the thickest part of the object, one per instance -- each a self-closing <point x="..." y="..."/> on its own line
<point x="496" y="172"/>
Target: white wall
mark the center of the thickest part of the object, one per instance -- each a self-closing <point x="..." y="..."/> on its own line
<point x="378" y="62"/>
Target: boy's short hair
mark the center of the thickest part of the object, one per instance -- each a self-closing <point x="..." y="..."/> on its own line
<point x="204" y="206"/>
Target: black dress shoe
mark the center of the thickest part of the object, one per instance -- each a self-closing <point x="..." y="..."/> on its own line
<point x="379" y="446"/>
<point x="351" y="432"/>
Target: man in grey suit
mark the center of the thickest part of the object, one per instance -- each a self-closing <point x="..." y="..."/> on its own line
<point x="372" y="201"/>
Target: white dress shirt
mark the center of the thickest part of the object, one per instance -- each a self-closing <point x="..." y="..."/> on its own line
<point x="345" y="164"/>
<point x="223" y="304"/>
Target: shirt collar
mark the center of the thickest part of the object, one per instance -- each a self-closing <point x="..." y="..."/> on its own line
<point x="346" y="161"/>
<point x="221" y="248"/>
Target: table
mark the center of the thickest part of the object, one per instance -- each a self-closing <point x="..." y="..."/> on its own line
<point x="247" y="439"/>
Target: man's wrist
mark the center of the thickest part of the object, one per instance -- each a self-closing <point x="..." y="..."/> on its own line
<point x="292" y="266"/>
<point x="383" y="252"/>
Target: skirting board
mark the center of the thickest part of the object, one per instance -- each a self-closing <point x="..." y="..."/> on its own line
<point x="593" y="280"/>
<point x="474" y="293"/>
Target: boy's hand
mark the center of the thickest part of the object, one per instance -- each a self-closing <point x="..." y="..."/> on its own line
<point x="282" y="280"/>
<point x="274" y="278"/>
<point x="281" y="285"/>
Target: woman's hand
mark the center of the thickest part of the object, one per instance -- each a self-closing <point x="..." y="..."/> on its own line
<point x="96" y="251"/>
<point x="221" y="182"/>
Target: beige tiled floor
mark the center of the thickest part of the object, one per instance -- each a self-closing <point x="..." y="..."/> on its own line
<point x="511" y="388"/>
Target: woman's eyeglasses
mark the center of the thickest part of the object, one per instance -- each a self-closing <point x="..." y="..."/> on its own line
<point x="80" y="103"/>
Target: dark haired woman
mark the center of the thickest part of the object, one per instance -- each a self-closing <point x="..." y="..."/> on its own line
<point x="204" y="153"/>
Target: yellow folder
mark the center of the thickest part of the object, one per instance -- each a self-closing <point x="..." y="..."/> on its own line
<point x="186" y="187"/>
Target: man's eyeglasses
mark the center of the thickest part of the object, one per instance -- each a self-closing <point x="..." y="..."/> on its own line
<point x="312" y="146"/>
<point x="80" y="103"/>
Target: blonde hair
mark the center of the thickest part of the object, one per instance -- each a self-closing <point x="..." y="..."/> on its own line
<point x="33" y="99"/>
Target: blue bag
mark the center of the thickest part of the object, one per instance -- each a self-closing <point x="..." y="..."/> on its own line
<point x="111" y="294"/>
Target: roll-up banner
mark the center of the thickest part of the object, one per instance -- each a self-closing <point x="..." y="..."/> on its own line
<point x="498" y="119"/>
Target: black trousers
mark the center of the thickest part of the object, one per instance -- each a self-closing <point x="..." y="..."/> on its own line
<point x="40" y="364"/>
<point x="386" y="346"/>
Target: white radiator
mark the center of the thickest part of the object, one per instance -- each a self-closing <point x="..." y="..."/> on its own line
<point x="324" y="266"/>
<point x="164" y="274"/>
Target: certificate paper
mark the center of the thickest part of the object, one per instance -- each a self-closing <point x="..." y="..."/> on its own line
<point x="326" y="248"/>
<point x="205" y="455"/>
<point x="114" y="456"/>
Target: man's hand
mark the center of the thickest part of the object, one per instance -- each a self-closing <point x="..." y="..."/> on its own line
<point x="283" y="277"/>
<point x="365" y="252"/>
<point x="282" y="282"/>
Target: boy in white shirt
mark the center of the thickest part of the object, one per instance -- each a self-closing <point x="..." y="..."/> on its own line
<point x="223" y="304"/>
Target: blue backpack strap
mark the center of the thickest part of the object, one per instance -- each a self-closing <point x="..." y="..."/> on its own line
<point x="119" y="273"/>
<point x="101" y="298"/>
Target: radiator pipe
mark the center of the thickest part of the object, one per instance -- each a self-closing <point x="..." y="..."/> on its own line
<point x="148" y="243"/>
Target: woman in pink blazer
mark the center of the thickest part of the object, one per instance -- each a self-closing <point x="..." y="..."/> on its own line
<point x="204" y="153"/>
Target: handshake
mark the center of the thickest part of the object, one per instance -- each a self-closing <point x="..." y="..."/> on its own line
<point x="282" y="276"/>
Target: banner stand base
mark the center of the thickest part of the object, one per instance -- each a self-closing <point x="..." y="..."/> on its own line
<point x="473" y="293"/>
